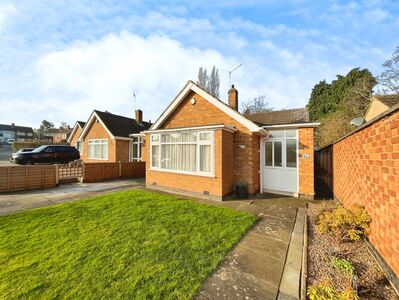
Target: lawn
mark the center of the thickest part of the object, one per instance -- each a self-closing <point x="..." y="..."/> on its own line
<point x="132" y="244"/>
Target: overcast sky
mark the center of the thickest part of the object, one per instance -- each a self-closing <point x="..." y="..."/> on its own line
<point x="59" y="60"/>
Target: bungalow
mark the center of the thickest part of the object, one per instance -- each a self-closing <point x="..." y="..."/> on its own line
<point x="202" y="146"/>
<point x="106" y="137"/>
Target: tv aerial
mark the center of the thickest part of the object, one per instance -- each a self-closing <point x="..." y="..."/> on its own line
<point x="232" y="72"/>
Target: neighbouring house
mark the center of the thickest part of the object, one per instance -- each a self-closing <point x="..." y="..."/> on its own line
<point x="62" y="135"/>
<point x="57" y="135"/>
<point x="106" y="137"/>
<point x="202" y="146"/>
<point x="380" y="104"/>
<point x="14" y="132"/>
<point x="73" y="138"/>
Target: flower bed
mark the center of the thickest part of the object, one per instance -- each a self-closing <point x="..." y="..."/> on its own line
<point x="330" y="260"/>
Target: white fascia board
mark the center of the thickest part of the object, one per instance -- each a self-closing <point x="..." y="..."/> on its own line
<point x="191" y="86"/>
<point x="197" y="128"/>
<point x="94" y="116"/>
<point x="297" y="125"/>
<point x="141" y="134"/>
<point x="122" y="138"/>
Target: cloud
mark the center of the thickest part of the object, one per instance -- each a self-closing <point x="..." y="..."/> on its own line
<point x="7" y="11"/>
<point x="70" y="83"/>
<point x="103" y="74"/>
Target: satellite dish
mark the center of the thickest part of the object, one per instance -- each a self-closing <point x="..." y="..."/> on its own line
<point x="357" y="121"/>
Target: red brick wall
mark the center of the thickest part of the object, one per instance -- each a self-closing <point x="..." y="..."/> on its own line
<point x="243" y="162"/>
<point x="366" y="171"/>
<point x="306" y="165"/>
<point x="97" y="131"/>
<point x="76" y="136"/>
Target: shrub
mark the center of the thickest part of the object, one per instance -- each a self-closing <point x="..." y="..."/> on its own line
<point x="325" y="291"/>
<point x="343" y="265"/>
<point x="344" y="223"/>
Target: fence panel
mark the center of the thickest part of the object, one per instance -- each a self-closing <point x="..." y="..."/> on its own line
<point x="70" y="172"/>
<point x="19" y="178"/>
<point x="132" y="169"/>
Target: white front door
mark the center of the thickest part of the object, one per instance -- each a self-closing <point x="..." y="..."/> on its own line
<point x="280" y="162"/>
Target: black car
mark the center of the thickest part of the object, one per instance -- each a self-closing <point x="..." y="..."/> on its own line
<point x="47" y="154"/>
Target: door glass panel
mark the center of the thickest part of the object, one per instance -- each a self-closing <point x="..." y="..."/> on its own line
<point x="268" y="154"/>
<point x="291" y="153"/>
<point x="277" y="154"/>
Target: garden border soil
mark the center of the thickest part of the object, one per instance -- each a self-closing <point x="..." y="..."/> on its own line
<point x="373" y="283"/>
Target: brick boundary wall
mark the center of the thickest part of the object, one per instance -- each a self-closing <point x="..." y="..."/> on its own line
<point x="366" y="171"/>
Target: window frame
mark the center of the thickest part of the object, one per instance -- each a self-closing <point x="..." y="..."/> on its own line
<point x="93" y="141"/>
<point x="139" y="145"/>
<point x="198" y="144"/>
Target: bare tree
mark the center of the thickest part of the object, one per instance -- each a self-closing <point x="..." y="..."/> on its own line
<point x="214" y="82"/>
<point x="210" y="83"/>
<point x="257" y="104"/>
<point x="202" y="78"/>
<point x="359" y="97"/>
<point x="63" y="125"/>
<point x="389" y="78"/>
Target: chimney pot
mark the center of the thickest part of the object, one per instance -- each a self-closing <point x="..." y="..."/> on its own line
<point x="139" y="116"/>
<point x="233" y="98"/>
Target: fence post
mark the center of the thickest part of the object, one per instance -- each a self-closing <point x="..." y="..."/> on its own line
<point x="57" y="174"/>
<point x="83" y="172"/>
<point x="120" y="169"/>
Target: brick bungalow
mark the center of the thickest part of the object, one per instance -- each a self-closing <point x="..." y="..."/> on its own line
<point x="106" y="137"/>
<point x="202" y="146"/>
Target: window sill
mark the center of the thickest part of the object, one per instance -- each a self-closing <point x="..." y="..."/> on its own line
<point x="183" y="172"/>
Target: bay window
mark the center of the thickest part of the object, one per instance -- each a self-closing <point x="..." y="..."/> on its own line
<point x="183" y="152"/>
<point x="98" y="149"/>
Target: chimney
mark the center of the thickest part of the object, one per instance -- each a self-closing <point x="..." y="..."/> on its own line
<point x="12" y="124"/>
<point x="139" y="116"/>
<point x="233" y="98"/>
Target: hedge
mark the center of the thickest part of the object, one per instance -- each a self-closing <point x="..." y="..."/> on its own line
<point x="33" y="144"/>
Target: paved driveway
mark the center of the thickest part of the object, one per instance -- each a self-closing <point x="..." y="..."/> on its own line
<point x="14" y="202"/>
<point x="266" y="263"/>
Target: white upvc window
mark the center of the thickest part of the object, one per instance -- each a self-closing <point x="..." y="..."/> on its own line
<point x="188" y="152"/>
<point x="136" y="148"/>
<point x="98" y="149"/>
<point x="79" y="146"/>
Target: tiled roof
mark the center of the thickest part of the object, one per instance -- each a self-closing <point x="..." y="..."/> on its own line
<point x="81" y="124"/>
<point x="121" y="126"/>
<point x="286" y="116"/>
<point x="15" y="128"/>
<point x="388" y="100"/>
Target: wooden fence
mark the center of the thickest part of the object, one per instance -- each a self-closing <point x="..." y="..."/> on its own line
<point x="93" y="172"/>
<point x="19" y="178"/>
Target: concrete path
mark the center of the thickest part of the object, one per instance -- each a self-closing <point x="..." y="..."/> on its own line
<point x="266" y="263"/>
<point x="14" y="202"/>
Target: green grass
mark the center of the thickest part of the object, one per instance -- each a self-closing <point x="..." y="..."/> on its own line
<point x="133" y="244"/>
